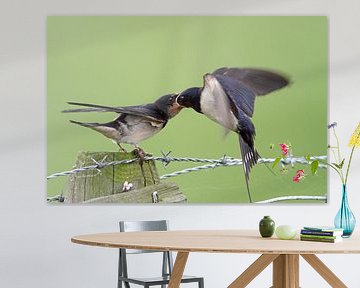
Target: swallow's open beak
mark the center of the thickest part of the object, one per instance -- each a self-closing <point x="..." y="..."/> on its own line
<point x="174" y="109"/>
<point x="179" y="100"/>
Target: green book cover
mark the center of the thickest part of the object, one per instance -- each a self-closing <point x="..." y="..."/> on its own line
<point x="319" y="236"/>
<point x="328" y="240"/>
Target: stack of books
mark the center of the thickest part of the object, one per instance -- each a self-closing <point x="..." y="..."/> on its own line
<point x="321" y="234"/>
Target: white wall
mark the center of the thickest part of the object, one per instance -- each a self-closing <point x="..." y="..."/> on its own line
<point x="35" y="248"/>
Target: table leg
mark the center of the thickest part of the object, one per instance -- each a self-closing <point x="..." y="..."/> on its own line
<point x="253" y="270"/>
<point x="178" y="270"/>
<point x="324" y="271"/>
<point x="286" y="271"/>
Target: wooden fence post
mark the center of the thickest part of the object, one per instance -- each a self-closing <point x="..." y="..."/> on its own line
<point x="106" y="184"/>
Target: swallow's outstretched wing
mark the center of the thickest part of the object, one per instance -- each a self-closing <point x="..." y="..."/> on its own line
<point x="261" y="82"/>
<point x="147" y="111"/>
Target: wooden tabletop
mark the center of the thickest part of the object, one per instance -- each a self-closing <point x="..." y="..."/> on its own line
<point x="220" y="241"/>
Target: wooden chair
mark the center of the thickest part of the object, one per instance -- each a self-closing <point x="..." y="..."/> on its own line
<point x="167" y="262"/>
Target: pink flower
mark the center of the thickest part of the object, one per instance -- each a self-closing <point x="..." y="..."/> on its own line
<point x="300" y="175"/>
<point x="284" y="149"/>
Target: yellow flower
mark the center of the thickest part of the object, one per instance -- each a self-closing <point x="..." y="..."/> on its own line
<point x="355" y="138"/>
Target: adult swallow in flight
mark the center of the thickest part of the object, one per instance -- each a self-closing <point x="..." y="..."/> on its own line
<point x="227" y="97"/>
<point x="135" y="123"/>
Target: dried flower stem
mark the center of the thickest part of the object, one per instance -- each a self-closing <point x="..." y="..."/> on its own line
<point x="339" y="171"/>
<point x="338" y="145"/>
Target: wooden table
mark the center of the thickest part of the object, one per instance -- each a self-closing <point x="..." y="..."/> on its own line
<point x="284" y="254"/>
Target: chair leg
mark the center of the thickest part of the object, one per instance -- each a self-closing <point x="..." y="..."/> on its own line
<point x="126" y="284"/>
<point x="201" y="283"/>
<point x="119" y="270"/>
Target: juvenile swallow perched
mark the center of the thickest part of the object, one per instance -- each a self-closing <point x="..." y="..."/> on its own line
<point x="135" y="123"/>
<point x="227" y="97"/>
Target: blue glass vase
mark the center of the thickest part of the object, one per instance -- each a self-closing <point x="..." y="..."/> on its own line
<point x="345" y="219"/>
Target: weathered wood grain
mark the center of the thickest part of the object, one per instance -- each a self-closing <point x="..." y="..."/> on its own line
<point x="106" y="185"/>
<point x="167" y="193"/>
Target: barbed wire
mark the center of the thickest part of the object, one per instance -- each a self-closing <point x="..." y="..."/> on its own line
<point x="212" y="163"/>
<point x="236" y="162"/>
<point x="96" y="166"/>
<point x="57" y="198"/>
<point x="224" y="161"/>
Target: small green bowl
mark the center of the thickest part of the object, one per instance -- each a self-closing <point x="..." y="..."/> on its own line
<point x="286" y="232"/>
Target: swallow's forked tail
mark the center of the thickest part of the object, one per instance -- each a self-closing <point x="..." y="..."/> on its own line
<point x="249" y="157"/>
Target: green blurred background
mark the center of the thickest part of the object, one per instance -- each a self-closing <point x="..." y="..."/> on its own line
<point x="121" y="61"/>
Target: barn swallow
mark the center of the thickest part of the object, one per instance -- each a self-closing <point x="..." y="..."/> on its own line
<point x="227" y="97"/>
<point x="135" y="123"/>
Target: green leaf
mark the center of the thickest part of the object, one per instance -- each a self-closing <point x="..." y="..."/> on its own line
<point x="314" y="166"/>
<point x="336" y="165"/>
<point x="342" y="164"/>
<point x="307" y="157"/>
<point x="276" y="162"/>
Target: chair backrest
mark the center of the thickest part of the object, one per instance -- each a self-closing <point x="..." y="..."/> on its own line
<point x="133" y="226"/>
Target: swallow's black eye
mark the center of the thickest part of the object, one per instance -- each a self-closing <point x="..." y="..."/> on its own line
<point x="170" y="100"/>
<point x="180" y="99"/>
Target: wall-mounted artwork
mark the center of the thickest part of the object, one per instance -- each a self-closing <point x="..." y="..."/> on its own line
<point x="187" y="109"/>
